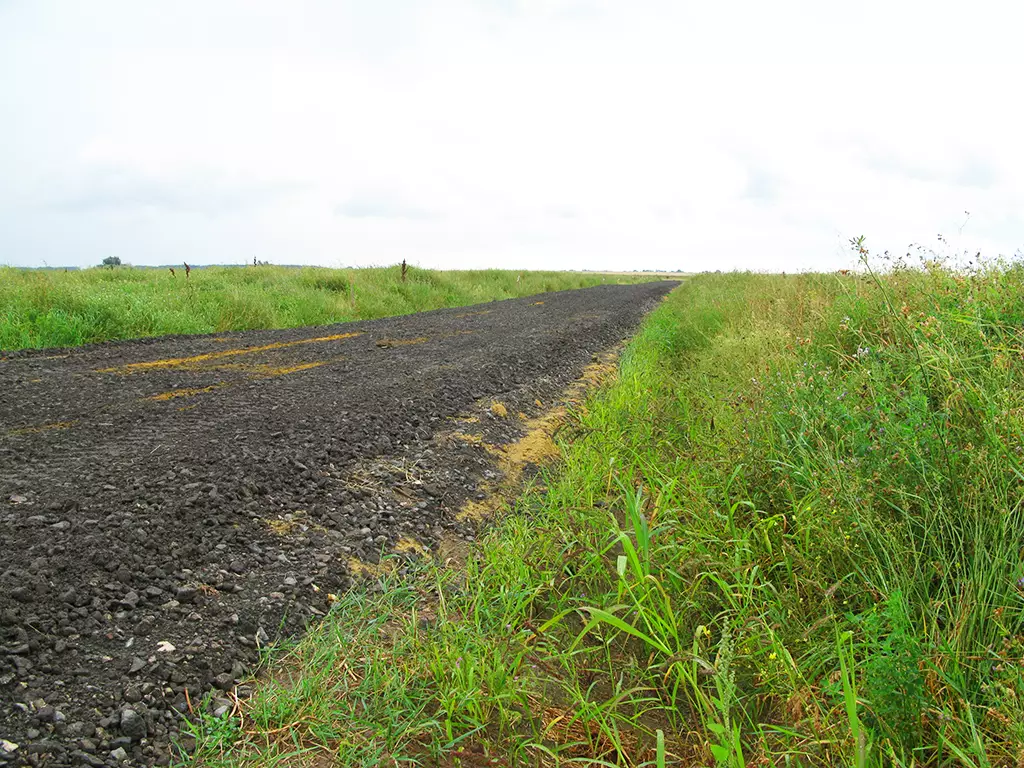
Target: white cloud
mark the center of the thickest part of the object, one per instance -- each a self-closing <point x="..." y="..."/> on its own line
<point x="519" y="133"/>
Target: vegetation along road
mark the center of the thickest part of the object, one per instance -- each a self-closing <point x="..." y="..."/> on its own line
<point x="170" y="506"/>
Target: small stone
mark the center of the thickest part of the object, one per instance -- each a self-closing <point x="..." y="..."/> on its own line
<point x="224" y="681"/>
<point x="130" y="600"/>
<point x="165" y="647"/>
<point x="8" y="746"/>
<point x="83" y="757"/>
<point x="137" y="666"/>
<point x="133" y="725"/>
<point x="185" y="594"/>
<point x="63" y="525"/>
<point x="132" y="694"/>
<point x="119" y="754"/>
<point x="16" y="499"/>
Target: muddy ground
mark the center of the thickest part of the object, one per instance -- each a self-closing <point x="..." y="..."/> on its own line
<point x="170" y="506"/>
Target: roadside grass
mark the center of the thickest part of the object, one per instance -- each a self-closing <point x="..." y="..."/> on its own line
<point x="43" y="308"/>
<point x="789" y="534"/>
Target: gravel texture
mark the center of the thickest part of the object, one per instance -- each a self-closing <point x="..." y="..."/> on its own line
<point x="170" y="506"/>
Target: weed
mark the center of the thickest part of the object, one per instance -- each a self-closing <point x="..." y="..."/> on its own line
<point x="61" y="309"/>
<point x="789" y="534"/>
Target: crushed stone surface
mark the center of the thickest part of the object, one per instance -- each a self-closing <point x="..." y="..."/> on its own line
<point x="170" y="506"/>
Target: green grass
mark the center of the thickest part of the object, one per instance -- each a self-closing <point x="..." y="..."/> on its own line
<point x="61" y="309"/>
<point x="790" y="534"/>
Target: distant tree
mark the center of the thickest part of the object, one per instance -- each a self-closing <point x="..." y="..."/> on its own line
<point x="111" y="261"/>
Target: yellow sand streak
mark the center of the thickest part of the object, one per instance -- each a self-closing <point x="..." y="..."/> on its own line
<point x="409" y="546"/>
<point x="268" y="371"/>
<point x="537" y="447"/>
<point x="361" y="569"/>
<point x="401" y="342"/>
<point x="187" y="392"/>
<point x="180" y="362"/>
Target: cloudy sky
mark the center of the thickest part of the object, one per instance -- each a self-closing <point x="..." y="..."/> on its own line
<point x="581" y="134"/>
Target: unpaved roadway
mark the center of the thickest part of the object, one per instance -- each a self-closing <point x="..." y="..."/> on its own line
<point x="168" y="506"/>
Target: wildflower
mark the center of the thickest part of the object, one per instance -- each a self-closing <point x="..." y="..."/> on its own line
<point x="862" y="352"/>
<point x="773" y="656"/>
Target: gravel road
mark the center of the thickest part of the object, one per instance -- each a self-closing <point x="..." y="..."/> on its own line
<point x="169" y="506"/>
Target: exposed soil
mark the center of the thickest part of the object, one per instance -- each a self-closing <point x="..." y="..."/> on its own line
<point x="170" y="506"/>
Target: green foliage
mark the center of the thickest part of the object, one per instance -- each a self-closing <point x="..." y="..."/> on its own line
<point x="788" y="535"/>
<point x="62" y="309"/>
<point x="893" y="678"/>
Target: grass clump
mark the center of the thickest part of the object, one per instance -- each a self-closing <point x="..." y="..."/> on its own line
<point x="49" y="308"/>
<point x="788" y="535"/>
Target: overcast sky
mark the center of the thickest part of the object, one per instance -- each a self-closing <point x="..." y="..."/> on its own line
<point x="581" y="134"/>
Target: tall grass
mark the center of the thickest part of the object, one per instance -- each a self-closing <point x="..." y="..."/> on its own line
<point x="790" y="534"/>
<point x="57" y="309"/>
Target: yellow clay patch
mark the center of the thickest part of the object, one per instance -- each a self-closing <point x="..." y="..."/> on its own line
<point x="478" y="511"/>
<point x="185" y="362"/>
<point x="42" y="428"/>
<point x="283" y="527"/>
<point x="536" y="447"/>
<point x="387" y="343"/>
<point x="188" y="392"/>
<point x="270" y="371"/>
<point x="498" y="409"/>
<point x="409" y="546"/>
<point x="472" y="439"/>
<point x="361" y="569"/>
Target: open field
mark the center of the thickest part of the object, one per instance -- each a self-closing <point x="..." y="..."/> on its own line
<point x="169" y="507"/>
<point x="790" y="534"/>
<point x="49" y="308"/>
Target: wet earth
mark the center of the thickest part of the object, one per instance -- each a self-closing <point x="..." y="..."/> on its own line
<point x="168" y="507"/>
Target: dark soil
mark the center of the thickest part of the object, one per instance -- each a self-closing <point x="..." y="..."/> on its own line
<point x="159" y="524"/>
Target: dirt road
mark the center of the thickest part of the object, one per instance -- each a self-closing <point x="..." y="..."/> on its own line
<point x="169" y="506"/>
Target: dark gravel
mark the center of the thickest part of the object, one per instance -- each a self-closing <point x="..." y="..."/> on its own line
<point x="152" y="546"/>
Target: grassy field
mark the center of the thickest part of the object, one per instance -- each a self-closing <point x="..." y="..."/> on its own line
<point x="790" y="534"/>
<point x="61" y="309"/>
